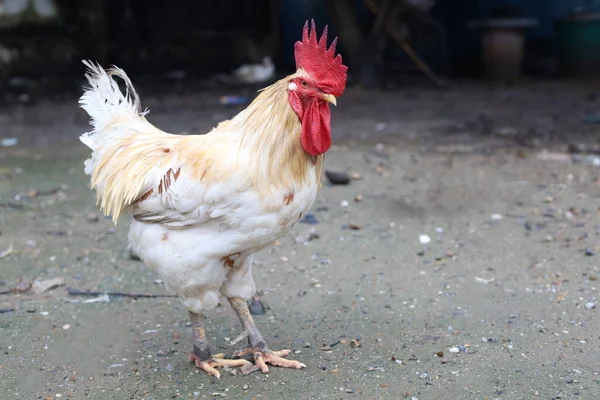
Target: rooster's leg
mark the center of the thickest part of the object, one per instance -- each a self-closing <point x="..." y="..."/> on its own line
<point x="201" y="354"/>
<point x="258" y="348"/>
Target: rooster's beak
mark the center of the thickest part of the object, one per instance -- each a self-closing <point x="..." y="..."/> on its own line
<point x="330" y="98"/>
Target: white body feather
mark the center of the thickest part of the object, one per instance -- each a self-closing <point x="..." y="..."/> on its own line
<point x="198" y="234"/>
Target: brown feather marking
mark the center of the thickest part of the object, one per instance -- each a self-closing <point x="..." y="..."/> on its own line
<point x="288" y="198"/>
<point x="164" y="237"/>
<point x="167" y="177"/>
<point x="167" y="151"/>
<point x="146" y="195"/>
<point x="167" y="180"/>
<point x="229" y="260"/>
<point x="160" y="187"/>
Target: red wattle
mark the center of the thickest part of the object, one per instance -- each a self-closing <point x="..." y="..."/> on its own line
<point x="315" y="117"/>
<point x="316" y="128"/>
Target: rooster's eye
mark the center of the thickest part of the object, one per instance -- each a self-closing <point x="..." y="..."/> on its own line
<point x="304" y="84"/>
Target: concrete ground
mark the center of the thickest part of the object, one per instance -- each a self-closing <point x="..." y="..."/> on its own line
<point x="463" y="264"/>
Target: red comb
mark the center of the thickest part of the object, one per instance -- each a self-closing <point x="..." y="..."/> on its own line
<point x="320" y="62"/>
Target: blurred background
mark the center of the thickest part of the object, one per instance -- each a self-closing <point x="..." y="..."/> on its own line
<point x="455" y="258"/>
<point x="385" y="42"/>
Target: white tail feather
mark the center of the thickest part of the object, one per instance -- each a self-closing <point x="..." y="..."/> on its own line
<point x="105" y="103"/>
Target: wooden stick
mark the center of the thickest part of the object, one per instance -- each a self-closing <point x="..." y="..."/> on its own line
<point x="76" y="292"/>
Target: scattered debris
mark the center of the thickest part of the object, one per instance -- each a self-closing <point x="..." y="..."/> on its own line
<point x="92" y="217"/>
<point x="9" y="142"/>
<point x="239" y="338"/>
<point x="589" y="252"/>
<point x="100" y="299"/>
<point x="5" y="253"/>
<point x="307" y="237"/>
<point x="354" y="343"/>
<point x="6" y="310"/>
<point x="22" y="285"/>
<point x="483" y="280"/>
<point x="337" y="178"/>
<point x="256" y="306"/>
<point x="587" y="159"/>
<point x="309" y="219"/>
<point x="424" y="239"/>
<point x="545" y="155"/>
<point x="76" y="292"/>
<point x="32" y="194"/>
<point x="39" y="287"/>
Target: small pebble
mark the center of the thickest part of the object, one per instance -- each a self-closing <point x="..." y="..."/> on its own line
<point x="44" y="313"/>
<point x="92" y="217"/>
<point x="337" y="178"/>
<point x="569" y="380"/>
<point x="257" y="307"/>
<point x="589" y="252"/>
<point x="344" y="203"/>
<point x="245" y="387"/>
<point x="453" y="350"/>
<point x="590" y="305"/>
<point x="424" y="375"/>
<point x="66" y="326"/>
<point x="309" y="219"/>
<point x="496" y="217"/>
<point x="424" y="239"/>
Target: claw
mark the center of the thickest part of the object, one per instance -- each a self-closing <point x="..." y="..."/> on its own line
<point x="264" y="356"/>
<point x="217" y="361"/>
